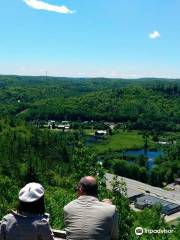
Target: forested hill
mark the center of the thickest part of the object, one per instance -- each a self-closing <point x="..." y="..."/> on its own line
<point x="6" y="80"/>
<point x="141" y="103"/>
<point x="32" y="88"/>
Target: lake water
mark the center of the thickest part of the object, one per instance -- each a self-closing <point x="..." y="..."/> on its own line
<point x="93" y="139"/>
<point x="151" y="155"/>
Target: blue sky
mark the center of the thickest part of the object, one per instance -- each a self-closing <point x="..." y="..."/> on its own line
<point x="109" y="38"/>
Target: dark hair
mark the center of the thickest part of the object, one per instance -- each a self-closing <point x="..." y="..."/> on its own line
<point x="37" y="207"/>
<point x="89" y="187"/>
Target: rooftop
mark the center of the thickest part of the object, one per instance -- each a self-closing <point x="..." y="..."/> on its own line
<point x="134" y="188"/>
<point x="167" y="207"/>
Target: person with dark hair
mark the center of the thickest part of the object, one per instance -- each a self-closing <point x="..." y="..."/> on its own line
<point x="87" y="217"/>
<point x="29" y="222"/>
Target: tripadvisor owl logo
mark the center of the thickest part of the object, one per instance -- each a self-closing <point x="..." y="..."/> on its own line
<point x="139" y="231"/>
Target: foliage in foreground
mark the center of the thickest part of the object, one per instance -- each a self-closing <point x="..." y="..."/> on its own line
<point x="58" y="162"/>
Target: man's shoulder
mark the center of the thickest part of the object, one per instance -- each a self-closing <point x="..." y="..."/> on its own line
<point x="97" y="204"/>
<point x="70" y="204"/>
<point x="107" y="206"/>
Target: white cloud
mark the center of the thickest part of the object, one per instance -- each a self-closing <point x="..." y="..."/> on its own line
<point x="40" y="5"/>
<point x="154" y="35"/>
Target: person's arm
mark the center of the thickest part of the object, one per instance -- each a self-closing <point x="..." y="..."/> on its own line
<point x="3" y="230"/>
<point x="115" y="227"/>
<point x="44" y="231"/>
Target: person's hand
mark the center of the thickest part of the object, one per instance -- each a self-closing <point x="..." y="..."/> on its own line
<point x="107" y="200"/>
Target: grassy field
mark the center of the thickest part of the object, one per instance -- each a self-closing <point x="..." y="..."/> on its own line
<point x="89" y="132"/>
<point x="122" y="141"/>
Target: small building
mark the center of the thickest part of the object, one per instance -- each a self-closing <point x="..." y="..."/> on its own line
<point x="50" y="122"/>
<point x="101" y="133"/>
<point x="64" y="125"/>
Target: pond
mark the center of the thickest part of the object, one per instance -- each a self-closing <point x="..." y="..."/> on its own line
<point x="151" y="155"/>
<point x="93" y="139"/>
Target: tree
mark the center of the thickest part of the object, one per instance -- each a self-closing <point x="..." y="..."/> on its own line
<point x="120" y="200"/>
<point x="84" y="162"/>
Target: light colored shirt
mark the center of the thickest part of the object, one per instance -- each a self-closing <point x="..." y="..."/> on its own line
<point x="25" y="227"/>
<point x="88" y="218"/>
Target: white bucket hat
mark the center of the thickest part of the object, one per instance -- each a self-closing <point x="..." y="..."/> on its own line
<point x="31" y="192"/>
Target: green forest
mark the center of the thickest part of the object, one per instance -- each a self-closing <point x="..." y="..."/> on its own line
<point x="145" y="112"/>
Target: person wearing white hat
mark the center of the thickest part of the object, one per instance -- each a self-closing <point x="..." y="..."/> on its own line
<point x="29" y="222"/>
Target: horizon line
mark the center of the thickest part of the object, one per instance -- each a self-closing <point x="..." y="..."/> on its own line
<point x="93" y="77"/>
